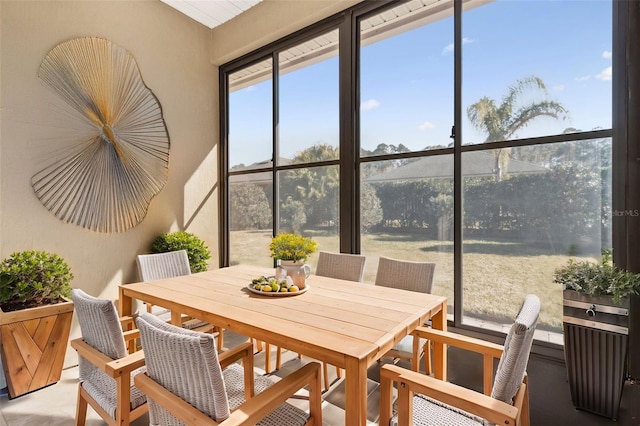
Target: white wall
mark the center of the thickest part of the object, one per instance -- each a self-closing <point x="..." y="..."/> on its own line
<point x="178" y="60"/>
<point x="172" y="53"/>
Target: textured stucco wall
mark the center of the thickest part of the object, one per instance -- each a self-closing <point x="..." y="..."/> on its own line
<point x="178" y="60"/>
<point x="172" y="53"/>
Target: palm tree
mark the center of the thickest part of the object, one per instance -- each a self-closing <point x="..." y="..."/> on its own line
<point x="501" y="122"/>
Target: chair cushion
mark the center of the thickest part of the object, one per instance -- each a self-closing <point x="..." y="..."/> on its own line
<point x="102" y="388"/>
<point x="517" y="346"/>
<point x="285" y="414"/>
<point x="99" y="324"/>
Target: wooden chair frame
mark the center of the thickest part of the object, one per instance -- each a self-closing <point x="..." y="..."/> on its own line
<point x="479" y="404"/>
<point x="255" y="407"/>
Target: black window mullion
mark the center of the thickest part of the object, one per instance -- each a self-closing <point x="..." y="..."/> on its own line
<point x="275" y="139"/>
<point x="223" y="170"/>
<point x="458" y="201"/>
<point x="349" y="206"/>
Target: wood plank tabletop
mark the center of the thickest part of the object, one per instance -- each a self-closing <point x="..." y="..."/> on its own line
<point x="332" y="321"/>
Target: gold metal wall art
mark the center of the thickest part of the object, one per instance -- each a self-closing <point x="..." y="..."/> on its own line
<point x="104" y="182"/>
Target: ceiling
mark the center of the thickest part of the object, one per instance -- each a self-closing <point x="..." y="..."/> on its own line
<point x="211" y="12"/>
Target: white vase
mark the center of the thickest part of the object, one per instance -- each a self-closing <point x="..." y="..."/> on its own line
<point x="296" y="269"/>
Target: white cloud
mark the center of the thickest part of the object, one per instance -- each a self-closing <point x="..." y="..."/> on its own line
<point x="449" y="47"/>
<point x="426" y="126"/>
<point x="583" y="78"/>
<point x="251" y="89"/>
<point x="606" y="54"/>
<point x="370" y="104"/>
<point x="605" y="74"/>
<point x="559" y="87"/>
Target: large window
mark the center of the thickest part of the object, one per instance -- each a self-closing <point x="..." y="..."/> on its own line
<point x="250" y="144"/>
<point x="298" y="126"/>
<point x="407" y="106"/>
<point x="476" y="135"/>
<point x="544" y="71"/>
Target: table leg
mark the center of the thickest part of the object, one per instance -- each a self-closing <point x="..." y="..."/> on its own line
<point x="125" y="306"/>
<point x="124" y="302"/>
<point x="439" y="322"/>
<point x="176" y="318"/>
<point x="356" y="392"/>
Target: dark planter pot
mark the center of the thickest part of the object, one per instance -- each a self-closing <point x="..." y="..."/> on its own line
<point x="596" y="340"/>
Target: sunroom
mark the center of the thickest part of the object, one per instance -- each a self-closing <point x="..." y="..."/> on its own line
<point x="495" y="139"/>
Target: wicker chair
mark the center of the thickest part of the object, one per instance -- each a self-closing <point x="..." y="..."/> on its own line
<point x="342" y="266"/>
<point x="413" y="276"/>
<point x="186" y="384"/>
<point x="106" y="370"/>
<point x="505" y="400"/>
<point x="152" y="267"/>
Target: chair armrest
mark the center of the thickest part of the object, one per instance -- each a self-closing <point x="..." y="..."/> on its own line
<point x="126" y="364"/>
<point x="460" y="341"/>
<point x="112" y="367"/>
<point x="128" y="320"/>
<point x="473" y="402"/>
<point x="91" y="354"/>
<point x="241" y="351"/>
<point x="131" y="335"/>
<point x="256" y="408"/>
<point x="490" y="351"/>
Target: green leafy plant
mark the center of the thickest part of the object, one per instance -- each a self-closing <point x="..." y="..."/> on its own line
<point x="292" y="247"/>
<point x="598" y="279"/>
<point x="33" y="278"/>
<point x="197" y="252"/>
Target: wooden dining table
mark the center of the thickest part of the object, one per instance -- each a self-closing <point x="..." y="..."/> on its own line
<point x="346" y="324"/>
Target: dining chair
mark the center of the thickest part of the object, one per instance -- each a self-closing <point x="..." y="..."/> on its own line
<point x="157" y="266"/>
<point x="413" y="276"/>
<point x="424" y="400"/>
<point x="188" y="382"/>
<point x="342" y="266"/>
<point x="106" y="369"/>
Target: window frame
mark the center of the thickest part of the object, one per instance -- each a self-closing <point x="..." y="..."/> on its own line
<point x="347" y="22"/>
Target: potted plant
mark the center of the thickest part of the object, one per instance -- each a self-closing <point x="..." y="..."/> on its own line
<point x="290" y="252"/>
<point x="197" y="252"/>
<point x="35" y="319"/>
<point x="596" y="301"/>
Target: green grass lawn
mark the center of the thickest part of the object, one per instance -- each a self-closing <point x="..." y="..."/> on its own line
<point x="496" y="275"/>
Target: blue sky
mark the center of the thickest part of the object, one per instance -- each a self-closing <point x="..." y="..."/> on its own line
<point x="407" y="80"/>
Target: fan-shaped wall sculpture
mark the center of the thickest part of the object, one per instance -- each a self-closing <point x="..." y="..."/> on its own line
<point x="104" y="183"/>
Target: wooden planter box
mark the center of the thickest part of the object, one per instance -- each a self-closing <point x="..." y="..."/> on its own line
<point x="33" y="343"/>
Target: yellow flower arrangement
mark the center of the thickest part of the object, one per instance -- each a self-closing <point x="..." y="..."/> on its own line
<point x="292" y="247"/>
